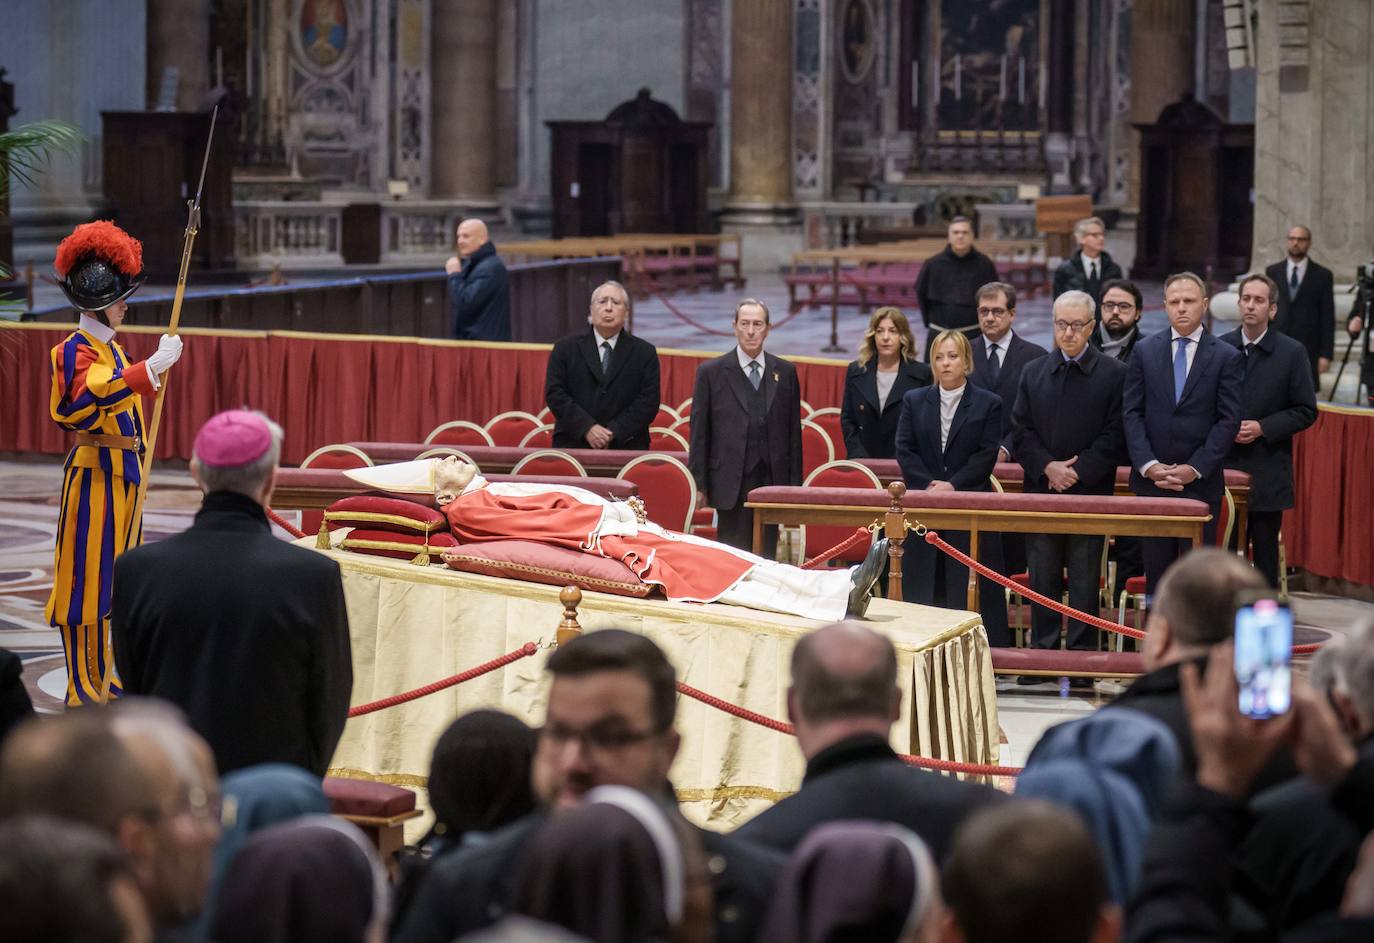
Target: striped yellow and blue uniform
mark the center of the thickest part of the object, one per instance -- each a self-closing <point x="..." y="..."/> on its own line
<point x="96" y="390"/>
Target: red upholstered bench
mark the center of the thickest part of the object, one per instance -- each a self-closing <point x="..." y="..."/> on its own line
<point x="379" y="809"/>
<point x="1012" y="476"/>
<point x="981" y="501"/>
<point x="1052" y="662"/>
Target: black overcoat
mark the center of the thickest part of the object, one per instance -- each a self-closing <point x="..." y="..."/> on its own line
<point x="624" y="399"/>
<point x="870" y="431"/>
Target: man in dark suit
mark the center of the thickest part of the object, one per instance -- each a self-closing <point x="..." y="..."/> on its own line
<point x="1118" y="324"/>
<point x="244" y="632"/>
<point x="602" y="385"/>
<point x="843" y="702"/>
<point x="1091" y="266"/>
<point x="999" y="356"/>
<point x="1069" y="438"/>
<point x="746" y="428"/>
<point x="1307" y="302"/>
<point x="1181" y="406"/>
<point x="1278" y="402"/>
<point x="610" y="722"/>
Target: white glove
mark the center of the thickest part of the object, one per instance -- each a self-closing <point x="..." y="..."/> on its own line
<point x="168" y="353"/>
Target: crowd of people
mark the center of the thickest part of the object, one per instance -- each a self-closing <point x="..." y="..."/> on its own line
<point x="1166" y="816"/>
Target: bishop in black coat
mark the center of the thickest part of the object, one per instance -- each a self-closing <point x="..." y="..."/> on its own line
<point x="246" y="633"/>
<point x="624" y="398"/>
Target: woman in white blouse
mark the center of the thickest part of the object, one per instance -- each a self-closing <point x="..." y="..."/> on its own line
<point x="875" y="384"/>
<point x="947" y="439"/>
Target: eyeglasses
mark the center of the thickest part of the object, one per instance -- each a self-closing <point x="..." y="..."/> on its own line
<point x="1117" y="306"/>
<point x="1071" y="327"/>
<point x="992" y="312"/>
<point x="598" y="740"/>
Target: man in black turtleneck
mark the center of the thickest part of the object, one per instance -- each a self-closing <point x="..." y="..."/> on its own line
<point x="948" y="282"/>
<point x="246" y="633"/>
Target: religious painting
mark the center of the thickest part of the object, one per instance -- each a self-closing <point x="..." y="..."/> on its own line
<point x="989" y="65"/>
<point x="856" y="40"/>
<point x="324" y="31"/>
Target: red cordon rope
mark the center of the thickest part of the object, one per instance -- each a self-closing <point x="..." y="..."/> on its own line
<point x="677" y="313"/>
<point x="934" y="540"/>
<point x="284" y="524"/>
<point x="821" y="559"/>
<point x="977" y="769"/>
<point x="524" y="651"/>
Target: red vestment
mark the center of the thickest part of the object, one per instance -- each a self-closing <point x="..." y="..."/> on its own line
<point x="686" y="569"/>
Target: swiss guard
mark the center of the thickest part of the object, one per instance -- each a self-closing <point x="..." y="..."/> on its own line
<point x="96" y="396"/>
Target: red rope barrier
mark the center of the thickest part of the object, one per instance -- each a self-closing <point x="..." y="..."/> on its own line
<point x="1097" y="622"/>
<point x="926" y="762"/>
<point x="284" y="524"/>
<point x="677" y="313"/>
<point x="524" y="651"/>
<point x="853" y="540"/>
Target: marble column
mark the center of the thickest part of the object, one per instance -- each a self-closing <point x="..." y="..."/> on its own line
<point x="179" y="37"/>
<point x="1312" y="130"/>
<point x="1162" y="39"/>
<point x="276" y="25"/>
<point x="463" y="89"/>
<point x="761" y="67"/>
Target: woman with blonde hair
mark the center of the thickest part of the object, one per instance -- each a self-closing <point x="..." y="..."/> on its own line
<point x="947" y="440"/>
<point x="875" y="384"/>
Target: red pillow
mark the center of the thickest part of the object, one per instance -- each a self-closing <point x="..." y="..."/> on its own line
<point x="372" y="512"/>
<point x="388" y="543"/>
<point x="363" y="798"/>
<point x="544" y="563"/>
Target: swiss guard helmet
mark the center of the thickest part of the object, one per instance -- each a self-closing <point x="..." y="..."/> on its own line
<point x="98" y="265"/>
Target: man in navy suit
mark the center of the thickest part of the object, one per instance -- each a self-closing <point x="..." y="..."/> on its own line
<point x="1181" y="406"/>
<point x="1278" y="403"/>
<point x="1069" y="438"/>
<point x="746" y="428"/>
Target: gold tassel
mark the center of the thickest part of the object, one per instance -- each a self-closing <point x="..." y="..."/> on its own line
<point x="322" y="541"/>
<point x="421" y="558"/>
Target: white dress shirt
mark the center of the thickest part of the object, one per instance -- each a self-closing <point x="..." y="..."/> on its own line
<point x="949" y="404"/>
<point x="1191" y="354"/>
<point x="1003" y="345"/>
<point x="745" y="361"/>
<point x="1088" y="264"/>
<point x="1301" y="268"/>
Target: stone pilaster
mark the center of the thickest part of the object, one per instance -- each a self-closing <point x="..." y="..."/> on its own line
<point x="463" y="63"/>
<point x="1312" y="128"/>
<point x="761" y="66"/>
<point x="1162" y="67"/>
<point x="179" y="37"/>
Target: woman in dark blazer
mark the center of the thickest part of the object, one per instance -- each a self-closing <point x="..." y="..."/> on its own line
<point x="947" y="438"/>
<point x="875" y="384"/>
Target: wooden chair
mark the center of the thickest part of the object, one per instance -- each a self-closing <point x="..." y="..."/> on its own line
<point x="684" y="408"/>
<point x="667" y="487"/>
<point x="829" y="420"/>
<point x="806" y="409"/>
<point x="540" y="438"/>
<point x="666" y="416"/>
<point x="458" y="432"/>
<point x="817" y="449"/>
<point x="510" y="428"/>
<point x="683" y="427"/>
<point x="666" y="440"/>
<point x="837" y="474"/>
<point x="444" y="451"/>
<point x="544" y="415"/>
<point x="549" y="462"/>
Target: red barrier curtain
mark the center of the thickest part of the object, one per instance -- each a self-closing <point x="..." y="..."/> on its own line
<point x="1330" y="532"/>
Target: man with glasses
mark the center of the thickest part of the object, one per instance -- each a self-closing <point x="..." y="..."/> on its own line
<point x="1118" y="324"/>
<point x="1090" y="267"/>
<point x="1306" y="302"/>
<point x="609" y="721"/>
<point x="1069" y="439"/>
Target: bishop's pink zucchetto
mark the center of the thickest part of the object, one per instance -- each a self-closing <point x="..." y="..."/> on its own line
<point x="233" y="438"/>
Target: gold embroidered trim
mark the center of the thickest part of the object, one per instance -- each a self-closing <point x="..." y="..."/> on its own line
<point x="391" y="779"/>
<point x="376" y="517"/>
<point x="635" y="589"/>
<point x="732" y="792"/>
<point x="350" y="543"/>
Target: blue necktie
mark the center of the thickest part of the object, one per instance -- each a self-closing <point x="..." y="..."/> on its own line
<point x="1293" y="284"/>
<point x="1180" y="368"/>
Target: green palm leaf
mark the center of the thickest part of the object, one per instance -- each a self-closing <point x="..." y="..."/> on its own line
<point x="25" y="151"/>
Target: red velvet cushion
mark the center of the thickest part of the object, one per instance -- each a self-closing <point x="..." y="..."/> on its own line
<point x="372" y="512"/>
<point x="389" y="543"/>
<point x="361" y="797"/>
<point x="1053" y="659"/>
<point x="543" y="563"/>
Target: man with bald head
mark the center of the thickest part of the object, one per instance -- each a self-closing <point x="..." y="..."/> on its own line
<point x="843" y="701"/>
<point x="1306" y="302"/>
<point x="478" y="289"/>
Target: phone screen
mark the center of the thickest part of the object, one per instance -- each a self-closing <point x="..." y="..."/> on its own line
<point x="1264" y="651"/>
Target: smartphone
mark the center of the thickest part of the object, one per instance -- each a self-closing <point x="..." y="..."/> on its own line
<point x="1264" y="654"/>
